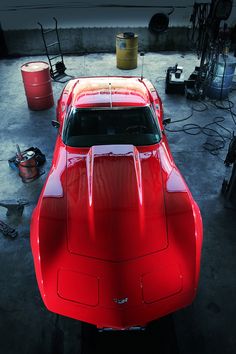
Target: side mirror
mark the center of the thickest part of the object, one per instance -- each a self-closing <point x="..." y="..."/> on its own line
<point x="55" y="124"/>
<point x="166" y="121"/>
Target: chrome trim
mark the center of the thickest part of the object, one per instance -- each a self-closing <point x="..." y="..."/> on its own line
<point x="110" y="329"/>
<point x="103" y="108"/>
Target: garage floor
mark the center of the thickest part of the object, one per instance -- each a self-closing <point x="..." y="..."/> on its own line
<point x="208" y="325"/>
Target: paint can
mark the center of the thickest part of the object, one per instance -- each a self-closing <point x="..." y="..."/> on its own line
<point x="127" y="50"/>
<point x="38" y="85"/>
<point x="28" y="169"/>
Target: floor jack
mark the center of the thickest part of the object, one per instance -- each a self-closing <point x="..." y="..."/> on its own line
<point x="54" y="53"/>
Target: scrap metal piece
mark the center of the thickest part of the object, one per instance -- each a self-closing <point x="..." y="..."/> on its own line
<point x="14" y="207"/>
<point x="7" y="230"/>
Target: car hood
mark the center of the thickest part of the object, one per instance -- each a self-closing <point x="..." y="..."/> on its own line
<point x="115" y="202"/>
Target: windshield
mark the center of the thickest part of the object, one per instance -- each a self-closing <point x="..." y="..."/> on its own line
<point x="88" y="127"/>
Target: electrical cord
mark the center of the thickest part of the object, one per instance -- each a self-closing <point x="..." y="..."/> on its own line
<point x="89" y="5"/>
<point x="160" y="78"/>
<point x="221" y="138"/>
<point x="214" y="129"/>
<point x="171" y="11"/>
<point x="192" y="112"/>
<point x="226" y="108"/>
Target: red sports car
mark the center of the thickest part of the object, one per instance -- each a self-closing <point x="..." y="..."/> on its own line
<point x="116" y="235"/>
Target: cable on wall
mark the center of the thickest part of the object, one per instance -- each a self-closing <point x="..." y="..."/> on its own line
<point x="86" y="5"/>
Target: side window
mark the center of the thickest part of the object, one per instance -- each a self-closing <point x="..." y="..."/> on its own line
<point x="154" y="112"/>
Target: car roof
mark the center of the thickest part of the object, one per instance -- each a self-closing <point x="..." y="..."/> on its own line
<point x="113" y="91"/>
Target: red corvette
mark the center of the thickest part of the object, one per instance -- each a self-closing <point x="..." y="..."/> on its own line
<point x="116" y="235"/>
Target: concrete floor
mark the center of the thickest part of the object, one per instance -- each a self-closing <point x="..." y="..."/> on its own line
<point x="208" y="325"/>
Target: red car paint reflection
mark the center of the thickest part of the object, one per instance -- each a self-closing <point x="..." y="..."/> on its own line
<point x="116" y="235"/>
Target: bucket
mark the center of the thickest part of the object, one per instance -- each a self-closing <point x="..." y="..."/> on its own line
<point x="222" y="77"/>
<point x="127" y="50"/>
<point x="28" y="169"/>
<point x="38" y="86"/>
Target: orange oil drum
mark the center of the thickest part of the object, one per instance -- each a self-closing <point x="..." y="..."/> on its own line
<point x="38" y="85"/>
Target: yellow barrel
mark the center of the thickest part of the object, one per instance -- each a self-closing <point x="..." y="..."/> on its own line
<point x="126" y="50"/>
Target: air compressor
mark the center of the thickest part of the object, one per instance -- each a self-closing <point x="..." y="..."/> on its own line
<point x="175" y="82"/>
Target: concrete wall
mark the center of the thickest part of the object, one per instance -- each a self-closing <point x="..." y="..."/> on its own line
<point x="90" y="40"/>
<point x="24" y="14"/>
<point x="90" y="26"/>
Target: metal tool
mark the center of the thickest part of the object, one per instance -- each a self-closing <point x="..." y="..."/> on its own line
<point x="14" y="207"/>
<point x="142" y="54"/>
<point x="19" y="154"/>
<point x="7" y="230"/>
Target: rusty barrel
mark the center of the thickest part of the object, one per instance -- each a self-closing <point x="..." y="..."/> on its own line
<point x="38" y="85"/>
<point x="28" y="169"/>
<point x="127" y="50"/>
